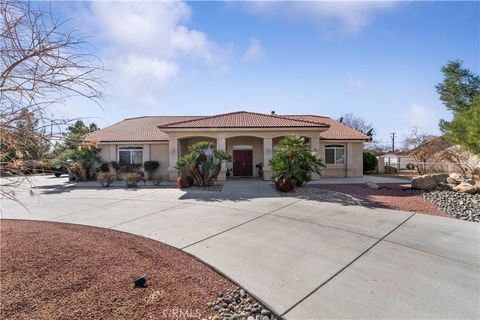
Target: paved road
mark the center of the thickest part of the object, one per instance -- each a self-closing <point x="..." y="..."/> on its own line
<point x="304" y="259"/>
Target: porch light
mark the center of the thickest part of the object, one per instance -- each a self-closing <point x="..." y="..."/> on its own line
<point x="268" y="151"/>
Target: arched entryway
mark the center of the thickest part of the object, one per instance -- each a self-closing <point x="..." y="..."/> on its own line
<point x="186" y="143"/>
<point x="247" y="156"/>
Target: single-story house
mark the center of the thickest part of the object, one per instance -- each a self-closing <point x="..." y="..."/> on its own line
<point x="400" y="160"/>
<point x="249" y="137"/>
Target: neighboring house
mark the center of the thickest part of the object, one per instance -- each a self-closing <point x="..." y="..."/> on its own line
<point x="399" y="160"/>
<point x="440" y="155"/>
<point x="249" y="137"/>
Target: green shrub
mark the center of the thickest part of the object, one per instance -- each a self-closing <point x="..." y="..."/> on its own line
<point x="370" y="162"/>
<point x="105" y="167"/>
<point x="85" y="156"/>
<point x="150" y="167"/>
<point x="115" y="165"/>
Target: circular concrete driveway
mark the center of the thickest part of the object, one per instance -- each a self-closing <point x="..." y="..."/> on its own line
<point x="303" y="259"/>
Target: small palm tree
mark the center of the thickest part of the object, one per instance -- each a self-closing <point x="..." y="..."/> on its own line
<point x="202" y="163"/>
<point x="293" y="163"/>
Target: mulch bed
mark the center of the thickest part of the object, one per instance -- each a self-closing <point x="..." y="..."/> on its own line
<point x="390" y="196"/>
<point x="60" y="271"/>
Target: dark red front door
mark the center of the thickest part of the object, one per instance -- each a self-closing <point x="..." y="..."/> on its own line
<point x="243" y="163"/>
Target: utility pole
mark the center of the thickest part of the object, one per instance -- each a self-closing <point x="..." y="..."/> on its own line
<point x="393" y="142"/>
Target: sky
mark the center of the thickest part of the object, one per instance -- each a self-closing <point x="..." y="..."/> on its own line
<point x="378" y="60"/>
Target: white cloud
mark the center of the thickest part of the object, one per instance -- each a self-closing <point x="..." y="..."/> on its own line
<point x="254" y="51"/>
<point x="422" y="117"/>
<point x="340" y="17"/>
<point x="354" y="82"/>
<point x="146" y="44"/>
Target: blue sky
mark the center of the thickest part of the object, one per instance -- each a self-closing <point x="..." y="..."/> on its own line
<point x="378" y="60"/>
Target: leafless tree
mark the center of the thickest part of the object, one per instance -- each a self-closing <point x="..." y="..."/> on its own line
<point x="465" y="161"/>
<point x="357" y="123"/>
<point x="415" y="139"/>
<point x="421" y="146"/>
<point x="43" y="62"/>
<point x="376" y="149"/>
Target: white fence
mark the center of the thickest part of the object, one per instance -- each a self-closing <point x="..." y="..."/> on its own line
<point x="389" y="164"/>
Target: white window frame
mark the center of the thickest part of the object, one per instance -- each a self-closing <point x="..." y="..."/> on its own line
<point x="131" y="149"/>
<point x="335" y="147"/>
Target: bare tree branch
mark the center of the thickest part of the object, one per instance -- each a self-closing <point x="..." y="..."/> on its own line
<point x="43" y="62"/>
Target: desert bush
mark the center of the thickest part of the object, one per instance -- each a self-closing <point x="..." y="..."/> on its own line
<point x="130" y="168"/>
<point x="76" y="171"/>
<point x="150" y="167"/>
<point x="390" y="169"/>
<point x="131" y="179"/>
<point x="105" y="179"/>
<point x="85" y="156"/>
<point x="370" y="162"/>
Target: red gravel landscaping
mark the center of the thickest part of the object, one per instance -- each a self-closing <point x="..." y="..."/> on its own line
<point x="59" y="271"/>
<point x="390" y="196"/>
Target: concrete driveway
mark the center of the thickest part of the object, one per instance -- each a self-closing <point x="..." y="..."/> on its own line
<point x="303" y="259"/>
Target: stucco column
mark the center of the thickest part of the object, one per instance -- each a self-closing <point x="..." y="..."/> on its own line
<point x="113" y="152"/>
<point x="267" y="156"/>
<point x="381" y="165"/>
<point x="146" y="157"/>
<point x="172" y="158"/>
<point x="221" y="146"/>
<point x="315" y="146"/>
<point x="349" y="163"/>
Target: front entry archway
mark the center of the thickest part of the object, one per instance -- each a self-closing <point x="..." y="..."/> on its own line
<point x="243" y="163"/>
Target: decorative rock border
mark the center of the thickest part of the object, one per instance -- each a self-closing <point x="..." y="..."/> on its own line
<point x="236" y="304"/>
<point x="462" y="206"/>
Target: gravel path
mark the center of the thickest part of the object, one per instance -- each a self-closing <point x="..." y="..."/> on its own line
<point x="390" y="196"/>
<point x="60" y="271"/>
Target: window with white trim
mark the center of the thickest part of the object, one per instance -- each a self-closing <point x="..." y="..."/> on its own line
<point x="335" y="154"/>
<point x="130" y="156"/>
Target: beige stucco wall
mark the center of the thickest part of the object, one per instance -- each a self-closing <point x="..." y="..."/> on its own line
<point x="160" y="151"/>
<point x="187" y="142"/>
<point x="354" y="163"/>
<point x="154" y="151"/>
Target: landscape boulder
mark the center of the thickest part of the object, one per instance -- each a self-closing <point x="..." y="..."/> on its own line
<point x="455" y="178"/>
<point x="471" y="181"/>
<point x="372" y="185"/>
<point x="465" y="187"/>
<point x="440" y="177"/>
<point x="424" y="182"/>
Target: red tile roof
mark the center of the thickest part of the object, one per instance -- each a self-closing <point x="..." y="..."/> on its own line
<point x="144" y="129"/>
<point x="243" y="119"/>
<point x="337" y="130"/>
<point x="137" y="129"/>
